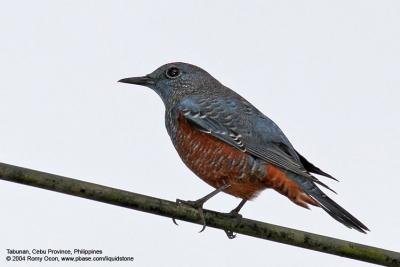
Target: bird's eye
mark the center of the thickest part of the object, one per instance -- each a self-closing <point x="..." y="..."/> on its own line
<point x="172" y="72"/>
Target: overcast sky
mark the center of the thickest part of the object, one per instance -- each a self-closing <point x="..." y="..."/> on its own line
<point x="327" y="72"/>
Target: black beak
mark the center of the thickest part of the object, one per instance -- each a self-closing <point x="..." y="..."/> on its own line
<point x="144" y="80"/>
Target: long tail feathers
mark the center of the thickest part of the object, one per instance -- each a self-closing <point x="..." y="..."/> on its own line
<point x="330" y="206"/>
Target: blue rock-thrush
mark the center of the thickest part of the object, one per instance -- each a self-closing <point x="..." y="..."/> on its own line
<point x="231" y="145"/>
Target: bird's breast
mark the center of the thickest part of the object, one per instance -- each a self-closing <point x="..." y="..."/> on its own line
<point x="218" y="163"/>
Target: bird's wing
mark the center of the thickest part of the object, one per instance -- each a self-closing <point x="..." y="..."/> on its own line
<point x="259" y="137"/>
<point x="211" y="126"/>
<point x="257" y="140"/>
<point x="312" y="168"/>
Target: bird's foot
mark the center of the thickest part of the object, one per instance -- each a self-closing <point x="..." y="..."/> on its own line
<point x="197" y="204"/>
<point x="230" y="234"/>
<point x="194" y="204"/>
<point x="174" y="221"/>
<point x="234" y="214"/>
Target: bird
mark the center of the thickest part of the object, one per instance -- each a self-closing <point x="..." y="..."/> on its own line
<point x="233" y="146"/>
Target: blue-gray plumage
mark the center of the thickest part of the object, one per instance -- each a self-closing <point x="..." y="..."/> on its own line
<point x="231" y="145"/>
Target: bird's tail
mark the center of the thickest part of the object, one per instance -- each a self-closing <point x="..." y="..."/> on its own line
<point x="327" y="204"/>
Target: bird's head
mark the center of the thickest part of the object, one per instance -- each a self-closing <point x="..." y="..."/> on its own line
<point x="174" y="81"/>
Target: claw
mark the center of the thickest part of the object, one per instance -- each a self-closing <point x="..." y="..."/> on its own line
<point x="173" y="219"/>
<point x="235" y="214"/>
<point x="230" y="234"/>
<point x="203" y="219"/>
<point x="196" y="205"/>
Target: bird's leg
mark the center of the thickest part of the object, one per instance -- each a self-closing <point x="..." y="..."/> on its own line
<point x="235" y="213"/>
<point x="198" y="204"/>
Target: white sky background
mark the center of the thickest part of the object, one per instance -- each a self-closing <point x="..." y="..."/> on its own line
<point x="326" y="71"/>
